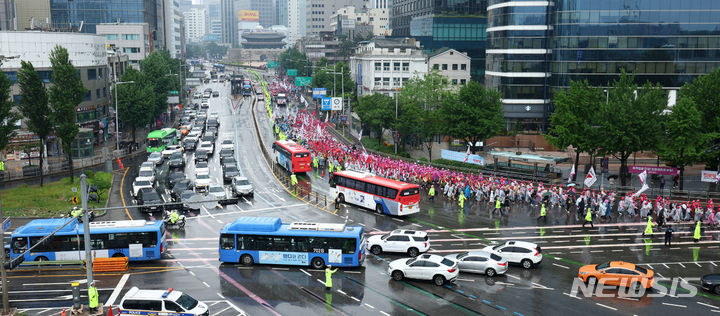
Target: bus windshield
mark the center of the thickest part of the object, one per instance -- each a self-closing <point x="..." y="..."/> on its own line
<point x="154" y="142"/>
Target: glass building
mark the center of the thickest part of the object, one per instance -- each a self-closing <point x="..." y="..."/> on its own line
<point x="665" y="41"/>
<point x="518" y="60"/>
<point x="70" y="14"/>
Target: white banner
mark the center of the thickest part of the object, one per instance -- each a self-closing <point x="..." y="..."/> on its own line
<point x="590" y="178"/>
<point x="708" y="176"/>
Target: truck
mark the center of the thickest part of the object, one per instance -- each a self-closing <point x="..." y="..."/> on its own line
<point x="281" y="99"/>
<point x="236" y="84"/>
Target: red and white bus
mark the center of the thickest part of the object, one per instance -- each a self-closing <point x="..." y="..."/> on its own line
<point x="291" y="156"/>
<point x="376" y="193"/>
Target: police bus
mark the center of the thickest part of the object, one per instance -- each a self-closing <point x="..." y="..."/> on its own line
<point x="138" y="240"/>
<point x="291" y="156"/>
<point x="383" y="195"/>
<point x="266" y="240"/>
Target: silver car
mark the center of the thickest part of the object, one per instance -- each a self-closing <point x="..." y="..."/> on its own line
<point x="217" y="191"/>
<point x="484" y="262"/>
<point x="241" y="186"/>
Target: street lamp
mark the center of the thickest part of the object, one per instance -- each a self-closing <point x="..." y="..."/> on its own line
<point x="117" y="124"/>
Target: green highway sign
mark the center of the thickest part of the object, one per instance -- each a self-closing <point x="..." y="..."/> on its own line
<point x="272" y="64"/>
<point x="292" y="72"/>
<point x="303" y="81"/>
<point x="174" y="92"/>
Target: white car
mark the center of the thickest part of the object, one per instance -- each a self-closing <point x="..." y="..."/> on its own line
<point x="214" y="115"/>
<point x="161" y="302"/>
<point x="156" y="158"/>
<point x="197" y="95"/>
<point x="519" y="252"/>
<point x="139" y="184"/>
<point x="202" y="181"/>
<point x="202" y="167"/>
<point x="171" y="149"/>
<point x="147" y="164"/>
<point x="425" y="267"/>
<point x="147" y="175"/>
<point x="241" y="186"/>
<point x="206" y="145"/>
<point x="484" y="262"/>
<point x="217" y="191"/>
<point x="411" y="242"/>
<point x="227" y="144"/>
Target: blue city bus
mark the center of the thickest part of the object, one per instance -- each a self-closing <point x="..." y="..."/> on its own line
<point x="138" y="240"/>
<point x="266" y="240"/>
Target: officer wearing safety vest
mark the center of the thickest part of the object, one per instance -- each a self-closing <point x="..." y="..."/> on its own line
<point x="328" y="277"/>
<point x="588" y="218"/>
<point x="93" y="297"/>
<point x="76" y="212"/>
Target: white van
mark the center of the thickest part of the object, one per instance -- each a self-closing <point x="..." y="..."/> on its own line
<point x="159" y="302"/>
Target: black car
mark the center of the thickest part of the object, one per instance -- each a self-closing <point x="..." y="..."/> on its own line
<point x="201" y="155"/>
<point x="228" y="161"/>
<point x="213" y="122"/>
<point x="215" y="94"/>
<point x="177" y="160"/>
<point x="711" y="282"/>
<point x="225" y="154"/>
<point x="190" y="143"/>
<point x="229" y="172"/>
<point x="212" y="130"/>
<point x="208" y="138"/>
<point x="175" y="177"/>
<point x="179" y="187"/>
<point x="148" y="196"/>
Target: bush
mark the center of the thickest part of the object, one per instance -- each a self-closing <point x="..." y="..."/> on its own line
<point x="458" y="164"/>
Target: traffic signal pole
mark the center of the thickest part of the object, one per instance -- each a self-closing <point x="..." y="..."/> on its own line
<point x="86" y="228"/>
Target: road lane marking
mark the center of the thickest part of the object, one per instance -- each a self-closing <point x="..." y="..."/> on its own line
<point x="221" y="296"/>
<point x="699" y="266"/>
<point x="676" y="305"/>
<point x="682" y="265"/>
<point x="708" y="305"/>
<point x="116" y="291"/>
<point x="208" y="285"/>
<point x="562" y="266"/>
<point x="341" y="292"/>
<point x="368" y="305"/>
<point x="122" y="196"/>
<point x="608" y="307"/>
<point x="384" y="313"/>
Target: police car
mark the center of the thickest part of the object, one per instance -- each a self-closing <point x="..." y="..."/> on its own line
<point x="160" y="302"/>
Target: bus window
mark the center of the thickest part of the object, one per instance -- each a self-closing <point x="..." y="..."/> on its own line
<point x="302" y="155"/>
<point x="227" y="242"/>
<point x="19" y="244"/>
<point x="246" y="242"/>
<point x="333" y="180"/>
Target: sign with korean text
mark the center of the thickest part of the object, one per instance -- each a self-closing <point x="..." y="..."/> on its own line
<point x="272" y="64"/>
<point x="708" y="176"/>
<point x="281" y="257"/>
<point x="461" y="156"/>
<point x="292" y="72"/>
<point x="337" y="104"/>
<point x="303" y="81"/>
<point x="326" y="104"/>
<point x="318" y="93"/>
<point x="661" y="170"/>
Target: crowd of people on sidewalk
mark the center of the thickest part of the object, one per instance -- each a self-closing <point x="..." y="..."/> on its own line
<point x="500" y="193"/>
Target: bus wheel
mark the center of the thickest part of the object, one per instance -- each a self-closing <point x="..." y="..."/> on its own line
<point x="246" y="260"/>
<point x="341" y="198"/>
<point x="317" y="263"/>
<point x="378" y="209"/>
<point x="118" y="255"/>
<point x="41" y="258"/>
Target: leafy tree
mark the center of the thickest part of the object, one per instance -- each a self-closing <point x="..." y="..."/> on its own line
<point x="475" y="112"/>
<point x="631" y="120"/>
<point x="156" y="70"/>
<point x="34" y="106"/>
<point x="337" y="76"/>
<point x="346" y="49"/>
<point x="66" y="93"/>
<point x="8" y="117"/>
<point x="683" y="142"/>
<point x="135" y="100"/>
<point x="215" y="51"/>
<point x="572" y="123"/>
<point x="292" y="58"/>
<point x="704" y="93"/>
<point x="377" y="112"/>
<point x="424" y="97"/>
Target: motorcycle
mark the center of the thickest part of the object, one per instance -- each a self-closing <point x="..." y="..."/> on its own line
<point x="180" y="223"/>
<point x="91" y="215"/>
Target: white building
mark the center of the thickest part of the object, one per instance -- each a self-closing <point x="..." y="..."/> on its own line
<point x="352" y="18"/>
<point x="452" y="64"/>
<point x="383" y="65"/>
<point x="296" y="20"/>
<point x="172" y="20"/>
<point x="195" y="24"/>
<point x="318" y="13"/>
<point x="132" y="39"/>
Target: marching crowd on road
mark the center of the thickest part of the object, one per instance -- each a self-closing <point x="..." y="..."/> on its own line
<point x="498" y="192"/>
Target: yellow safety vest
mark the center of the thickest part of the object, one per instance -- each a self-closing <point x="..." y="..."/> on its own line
<point x="543" y="212"/>
<point x="328" y="276"/>
<point x="697" y="231"/>
<point x="588" y="216"/>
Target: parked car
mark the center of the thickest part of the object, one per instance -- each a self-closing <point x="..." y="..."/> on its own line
<point x="215" y="94"/>
<point x="175" y="177"/>
<point x="202" y="181"/>
<point x="207" y="146"/>
<point x="618" y="273"/>
<point x="179" y="187"/>
<point x="242" y="187"/>
<point x="228" y="161"/>
<point x="202" y="167"/>
<point x="190" y="143"/>
<point x="711" y="282"/>
<point x="171" y="149"/>
<point x="424" y="267"/>
<point x="146" y="174"/>
<point x="411" y="242"/>
<point x="484" y="262"/>
<point x="226" y="153"/>
<point x="227" y="144"/>
<point x="518" y="252"/>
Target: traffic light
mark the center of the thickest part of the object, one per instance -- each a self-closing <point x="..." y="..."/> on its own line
<point x="13" y="263"/>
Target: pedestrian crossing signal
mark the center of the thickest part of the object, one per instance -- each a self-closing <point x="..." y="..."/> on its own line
<point x="74" y="200"/>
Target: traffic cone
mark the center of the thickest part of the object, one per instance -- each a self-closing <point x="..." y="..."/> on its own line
<point x="110" y="311"/>
<point x="63" y="313"/>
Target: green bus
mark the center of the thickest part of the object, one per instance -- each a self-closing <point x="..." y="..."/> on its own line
<point x="159" y="139"/>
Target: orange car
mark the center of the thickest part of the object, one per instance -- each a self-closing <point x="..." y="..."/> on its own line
<point x="618" y="273"/>
<point x="184" y="130"/>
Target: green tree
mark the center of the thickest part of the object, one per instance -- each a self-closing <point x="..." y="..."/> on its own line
<point x="683" y="142"/>
<point x="66" y="93"/>
<point x="631" y="120"/>
<point x="704" y="93"/>
<point x="135" y="100"/>
<point x="215" y="51"/>
<point x="421" y="99"/>
<point x="475" y="112"/>
<point x="574" y="121"/>
<point x="156" y="74"/>
<point x="8" y="117"/>
<point x="346" y="49"/>
<point x="292" y="58"/>
<point x="377" y="112"/>
<point x="34" y="106"/>
<point x="336" y="77"/>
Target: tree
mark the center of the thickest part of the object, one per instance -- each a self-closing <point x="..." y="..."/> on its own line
<point x="475" y="112"/>
<point x="683" y="142"/>
<point x="423" y="96"/>
<point x="292" y="58"/>
<point x="631" y="120"/>
<point x="377" y="112"/>
<point x="156" y="71"/>
<point x="34" y="106"/>
<point x="215" y="51"/>
<point x="574" y="121"/>
<point x="8" y="117"/>
<point x="66" y="93"/>
<point x="135" y="100"/>
<point x="346" y="49"/>
<point x="704" y="93"/>
<point x="336" y="77"/>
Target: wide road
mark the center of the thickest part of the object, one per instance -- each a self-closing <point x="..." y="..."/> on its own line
<point x="191" y="263"/>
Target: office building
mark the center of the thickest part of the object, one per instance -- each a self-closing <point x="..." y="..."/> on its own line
<point x="281" y="12"/>
<point x="229" y="19"/>
<point x="195" y="24"/>
<point x="33" y="14"/>
<point x="84" y="15"/>
<point x="451" y="64"/>
<point x="296" y="20"/>
<point x="131" y="39"/>
<point x="316" y="47"/>
<point x="7" y="15"/>
<point x="518" y="60"/>
<point x="173" y="34"/>
<point x="380" y="4"/>
<point x="266" y="11"/>
<point x="319" y="13"/>
<point x="360" y="22"/>
<point x="384" y="65"/>
<point x="436" y="24"/>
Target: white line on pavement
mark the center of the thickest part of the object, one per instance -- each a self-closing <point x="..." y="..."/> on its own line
<point x="368" y="305"/>
<point x="562" y="266"/>
<point x="676" y="305"/>
<point x="117" y="290"/>
<point x="608" y="307"/>
<point x="682" y="265"/>
<point x="205" y="283"/>
<point x="708" y="305"/>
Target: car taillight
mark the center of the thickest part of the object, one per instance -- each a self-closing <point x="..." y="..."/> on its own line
<point x="537" y="253"/>
<point x="502" y="264"/>
<point x="451" y="270"/>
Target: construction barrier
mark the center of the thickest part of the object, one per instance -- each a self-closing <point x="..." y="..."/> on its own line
<point x="110" y="264"/>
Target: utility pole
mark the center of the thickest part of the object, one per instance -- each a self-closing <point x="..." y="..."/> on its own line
<point x="3" y="273"/>
<point x="396" y="111"/>
<point x="86" y="228"/>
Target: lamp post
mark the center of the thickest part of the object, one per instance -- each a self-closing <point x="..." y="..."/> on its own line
<point x="117" y="124"/>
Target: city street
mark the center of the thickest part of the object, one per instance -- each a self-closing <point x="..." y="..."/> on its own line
<point x="191" y="263"/>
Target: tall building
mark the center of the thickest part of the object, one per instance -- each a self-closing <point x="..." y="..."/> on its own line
<point x="518" y="60"/>
<point x="32" y="14"/>
<point x="266" y="10"/>
<point x="359" y="22"/>
<point x="7" y="15"/>
<point x="380" y="4"/>
<point x="384" y="65"/>
<point x="71" y="15"/>
<point x="281" y="12"/>
<point x="436" y="24"/>
<point x="195" y="24"/>
<point x="131" y="39"/>
<point x="318" y="13"/>
<point x="296" y="20"/>
<point x="667" y="42"/>
<point x="229" y="19"/>
<point x="173" y="34"/>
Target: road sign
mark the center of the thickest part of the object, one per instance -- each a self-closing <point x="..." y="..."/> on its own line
<point x="75" y="200"/>
<point x="318" y="93"/>
<point x="326" y="104"/>
<point x="337" y="104"/>
<point x="292" y="72"/>
<point x="74" y="189"/>
<point x="174" y="92"/>
<point x="303" y="81"/>
<point x="272" y="64"/>
<point x="6" y="224"/>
